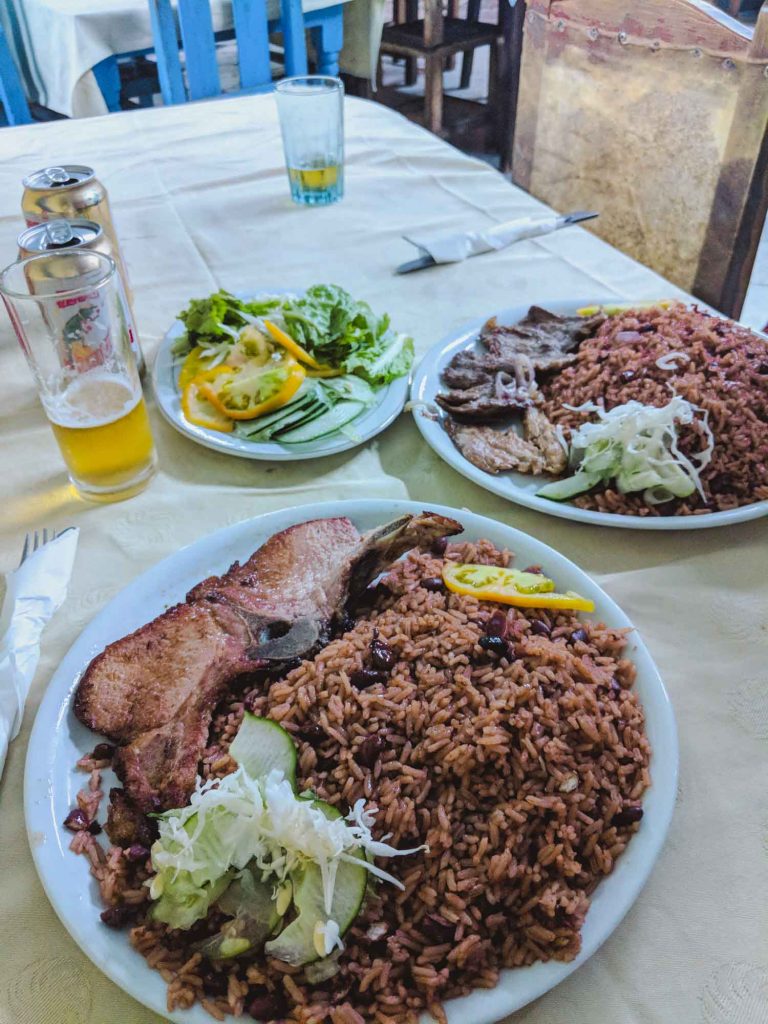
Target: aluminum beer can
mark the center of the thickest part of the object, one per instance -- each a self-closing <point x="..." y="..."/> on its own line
<point x="72" y="192"/>
<point x="64" y="234"/>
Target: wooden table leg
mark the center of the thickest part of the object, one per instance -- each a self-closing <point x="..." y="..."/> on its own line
<point x="467" y="60"/>
<point x="107" y="76"/>
<point x="433" y="93"/>
<point x="512" y="21"/>
<point x="411" y="64"/>
<point x="453" y="12"/>
<point x="433" y="72"/>
<point x="328" y="39"/>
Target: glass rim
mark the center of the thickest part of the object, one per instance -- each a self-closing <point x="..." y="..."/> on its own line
<point x="108" y="264"/>
<point x="334" y="84"/>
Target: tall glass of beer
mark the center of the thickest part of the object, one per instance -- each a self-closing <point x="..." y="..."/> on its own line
<point x="69" y="312"/>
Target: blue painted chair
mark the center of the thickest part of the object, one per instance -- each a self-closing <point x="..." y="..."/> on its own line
<point x="11" y="93"/>
<point x="252" y="30"/>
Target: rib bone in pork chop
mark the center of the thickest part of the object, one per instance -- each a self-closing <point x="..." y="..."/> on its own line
<point x="154" y="691"/>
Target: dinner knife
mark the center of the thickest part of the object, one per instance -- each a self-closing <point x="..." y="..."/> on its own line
<point x="497" y="237"/>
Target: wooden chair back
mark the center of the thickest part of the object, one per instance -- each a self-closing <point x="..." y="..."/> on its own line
<point x="252" y="29"/>
<point x="653" y="112"/>
<point x="12" y="96"/>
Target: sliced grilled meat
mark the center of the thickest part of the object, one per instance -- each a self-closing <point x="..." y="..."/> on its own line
<point x="501" y="391"/>
<point x="541" y="432"/>
<point x="496" y="450"/>
<point x="154" y="691"/>
<point x="550" y="341"/>
<point x="489" y="384"/>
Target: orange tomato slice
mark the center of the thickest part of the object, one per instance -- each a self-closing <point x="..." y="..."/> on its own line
<point x="195" y="363"/>
<point x="198" y="410"/>
<point x="510" y="586"/>
<point x="298" y="352"/>
<point x="293" y="381"/>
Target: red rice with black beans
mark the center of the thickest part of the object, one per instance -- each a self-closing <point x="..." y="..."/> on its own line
<point x="726" y="373"/>
<point x="524" y="774"/>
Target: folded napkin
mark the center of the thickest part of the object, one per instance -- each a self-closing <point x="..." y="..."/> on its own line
<point x="452" y="248"/>
<point x="35" y="591"/>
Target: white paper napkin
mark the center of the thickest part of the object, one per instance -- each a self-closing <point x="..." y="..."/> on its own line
<point x="455" y="247"/>
<point x="34" y="593"/>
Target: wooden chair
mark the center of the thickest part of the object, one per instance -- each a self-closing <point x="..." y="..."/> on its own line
<point x="653" y="112"/>
<point x="252" y="30"/>
<point x="437" y="38"/>
<point x="11" y="93"/>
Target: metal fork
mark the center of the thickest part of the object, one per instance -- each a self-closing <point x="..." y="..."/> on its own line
<point x="36" y="540"/>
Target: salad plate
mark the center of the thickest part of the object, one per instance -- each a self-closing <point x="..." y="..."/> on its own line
<point x="58" y="740"/>
<point x="523" y="488"/>
<point x="384" y="400"/>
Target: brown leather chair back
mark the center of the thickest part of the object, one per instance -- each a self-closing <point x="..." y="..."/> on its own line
<point x="653" y="112"/>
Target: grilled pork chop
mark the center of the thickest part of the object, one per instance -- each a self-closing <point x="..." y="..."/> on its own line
<point x="154" y="691"/>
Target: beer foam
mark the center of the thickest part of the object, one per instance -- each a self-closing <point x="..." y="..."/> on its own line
<point x="92" y="400"/>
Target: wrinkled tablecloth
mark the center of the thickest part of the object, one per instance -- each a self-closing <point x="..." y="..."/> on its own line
<point x="201" y="200"/>
<point x="57" y="42"/>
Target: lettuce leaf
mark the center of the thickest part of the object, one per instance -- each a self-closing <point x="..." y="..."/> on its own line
<point x="343" y="332"/>
<point x="327" y="321"/>
<point x="206" y="320"/>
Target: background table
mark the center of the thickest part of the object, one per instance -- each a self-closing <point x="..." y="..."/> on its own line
<point x="65" y="39"/>
<point x="201" y="201"/>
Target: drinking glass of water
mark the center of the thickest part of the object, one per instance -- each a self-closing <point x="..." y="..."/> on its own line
<point x="74" y="325"/>
<point x="311" y="109"/>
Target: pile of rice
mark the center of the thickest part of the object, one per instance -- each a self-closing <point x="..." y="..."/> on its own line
<point x="724" y="370"/>
<point x="524" y="775"/>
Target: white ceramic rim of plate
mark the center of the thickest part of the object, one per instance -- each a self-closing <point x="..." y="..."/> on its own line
<point x="516" y="487"/>
<point x="382" y="414"/>
<point x="57" y="740"/>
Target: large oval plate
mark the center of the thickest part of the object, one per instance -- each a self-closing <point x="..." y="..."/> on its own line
<point x="58" y="740"/>
<point x="165" y="377"/>
<point x="519" y="487"/>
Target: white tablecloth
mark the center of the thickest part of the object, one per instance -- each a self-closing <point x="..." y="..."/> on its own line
<point x="201" y="201"/>
<point x="64" y="39"/>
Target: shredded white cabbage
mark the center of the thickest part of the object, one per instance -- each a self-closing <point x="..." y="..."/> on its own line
<point x="638" y="446"/>
<point x="239" y="820"/>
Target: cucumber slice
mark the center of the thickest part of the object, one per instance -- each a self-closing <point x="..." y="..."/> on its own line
<point x="296" y="942"/>
<point x="261" y="745"/>
<point x="305" y="404"/>
<point x="288" y="419"/>
<point x="254" y="915"/>
<point x="562" y="490"/>
<point x="326" y="424"/>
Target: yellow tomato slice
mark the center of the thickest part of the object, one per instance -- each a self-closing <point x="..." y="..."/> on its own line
<point x="510" y="586"/>
<point x="614" y="310"/>
<point x="196" y="362"/>
<point x="298" y="352"/>
<point x="198" y="410"/>
<point x="215" y="392"/>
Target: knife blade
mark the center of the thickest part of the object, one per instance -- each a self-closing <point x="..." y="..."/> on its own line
<point x="425" y="260"/>
<point x="420" y="263"/>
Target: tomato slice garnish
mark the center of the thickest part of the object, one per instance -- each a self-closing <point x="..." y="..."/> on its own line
<point x="510" y="586"/>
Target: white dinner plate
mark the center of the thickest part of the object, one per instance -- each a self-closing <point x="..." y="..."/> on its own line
<point x="58" y="740"/>
<point x="519" y="487"/>
<point x="389" y="403"/>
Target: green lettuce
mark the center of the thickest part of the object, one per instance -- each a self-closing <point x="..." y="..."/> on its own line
<point x="338" y="330"/>
<point x="217" y="318"/>
<point x="344" y="332"/>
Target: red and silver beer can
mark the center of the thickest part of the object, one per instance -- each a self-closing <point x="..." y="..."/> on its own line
<point x="53" y="235"/>
<point x="72" y="192"/>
